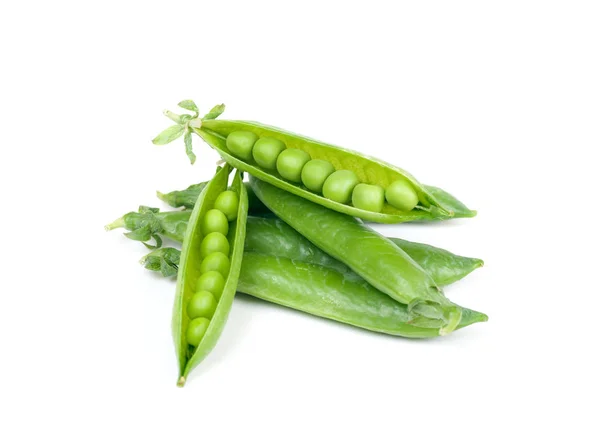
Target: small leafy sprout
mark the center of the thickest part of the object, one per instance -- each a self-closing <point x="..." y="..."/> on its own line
<point x="143" y="226"/>
<point x="184" y="125"/>
<point x="165" y="261"/>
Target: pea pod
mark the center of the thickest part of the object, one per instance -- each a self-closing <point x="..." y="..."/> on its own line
<point x="326" y="292"/>
<point x="270" y="235"/>
<point x="193" y="342"/>
<point x="372" y="256"/>
<point x="219" y="135"/>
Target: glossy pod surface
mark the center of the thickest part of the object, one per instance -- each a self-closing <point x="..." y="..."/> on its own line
<point x="330" y="293"/>
<point x="195" y="338"/>
<point x="370" y="255"/>
<point x="368" y="170"/>
<point x="325" y="292"/>
<point x="272" y="236"/>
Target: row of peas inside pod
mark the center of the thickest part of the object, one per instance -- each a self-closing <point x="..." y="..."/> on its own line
<point x="318" y="175"/>
<point x="214" y="268"/>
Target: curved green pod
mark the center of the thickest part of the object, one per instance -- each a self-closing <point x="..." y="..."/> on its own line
<point x="372" y="256"/>
<point x="327" y="292"/>
<point x="369" y="170"/>
<point x="272" y="236"/>
<point x="189" y="272"/>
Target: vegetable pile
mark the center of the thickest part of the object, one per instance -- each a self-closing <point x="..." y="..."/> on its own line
<point x="295" y="235"/>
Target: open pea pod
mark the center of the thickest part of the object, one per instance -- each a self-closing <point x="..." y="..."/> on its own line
<point x="369" y="170"/>
<point x="356" y="175"/>
<point x="196" y="329"/>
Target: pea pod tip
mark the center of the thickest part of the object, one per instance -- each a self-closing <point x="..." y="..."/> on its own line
<point x="181" y="381"/>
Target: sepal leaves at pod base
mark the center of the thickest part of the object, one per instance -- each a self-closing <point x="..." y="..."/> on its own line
<point x="183" y="125"/>
<point x="149" y="223"/>
<point x="142" y="225"/>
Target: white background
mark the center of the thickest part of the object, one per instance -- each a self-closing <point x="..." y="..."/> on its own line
<point x="497" y="102"/>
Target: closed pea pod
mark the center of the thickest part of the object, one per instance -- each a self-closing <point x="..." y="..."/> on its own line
<point x="372" y="256"/>
<point x="337" y="295"/>
<point x="327" y="293"/>
<point x="195" y="336"/>
<point x="270" y="235"/>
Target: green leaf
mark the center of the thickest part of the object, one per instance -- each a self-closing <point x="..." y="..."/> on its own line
<point x="188" y="147"/>
<point x="158" y="241"/>
<point x="190" y="105"/>
<point x="165" y="261"/>
<point x="141" y="234"/>
<point x="215" y="112"/>
<point x="168" y="135"/>
<point x="146" y="209"/>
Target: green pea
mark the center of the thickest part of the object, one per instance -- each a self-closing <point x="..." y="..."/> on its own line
<point x="290" y="164"/>
<point x="215" y="221"/>
<point x="266" y="151"/>
<point x="227" y="202"/>
<point x="196" y="330"/>
<point x="202" y="305"/>
<point x="214" y="242"/>
<point x="240" y="143"/>
<point x="368" y="197"/>
<point x="402" y="195"/>
<point x="315" y="173"/>
<point x="216" y="261"/>
<point x="339" y="185"/>
<point x="211" y="281"/>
